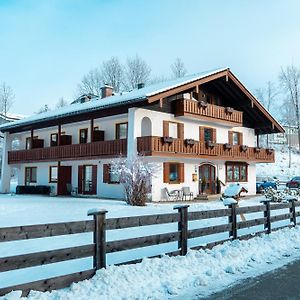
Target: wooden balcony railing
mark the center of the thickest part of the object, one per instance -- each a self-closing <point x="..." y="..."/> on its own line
<point x="155" y="146"/>
<point x="185" y="107"/>
<point x="70" y="152"/>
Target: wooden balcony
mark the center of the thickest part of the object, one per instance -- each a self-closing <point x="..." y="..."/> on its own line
<point x="210" y="112"/>
<point x="70" y="152"/>
<point x="155" y="146"/>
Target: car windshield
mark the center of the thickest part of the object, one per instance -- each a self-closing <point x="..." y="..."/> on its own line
<point x="296" y="178"/>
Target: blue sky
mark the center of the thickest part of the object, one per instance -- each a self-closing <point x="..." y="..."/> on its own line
<point x="47" y="46"/>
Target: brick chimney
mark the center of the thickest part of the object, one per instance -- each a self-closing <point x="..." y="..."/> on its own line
<point x="141" y="85"/>
<point x="106" y="91"/>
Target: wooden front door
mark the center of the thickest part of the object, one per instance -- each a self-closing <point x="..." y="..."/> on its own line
<point x="64" y="180"/>
<point x="208" y="173"/>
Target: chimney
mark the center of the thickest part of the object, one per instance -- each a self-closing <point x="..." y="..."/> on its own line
<point x="106" y="91"/>
<point x="140" y="85"/>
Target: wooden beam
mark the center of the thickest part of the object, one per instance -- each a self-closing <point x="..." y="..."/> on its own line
<point x="161" y="102"/>
<point x="186" y="86"/>
<point x="92" y="130"/>
<point x="59" y="135"/>
<point x="31" y="137"/>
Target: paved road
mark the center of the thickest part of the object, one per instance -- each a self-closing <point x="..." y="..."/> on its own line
<point x="281" y="284"/>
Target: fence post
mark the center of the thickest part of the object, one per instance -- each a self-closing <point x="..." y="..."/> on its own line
<point x="99" y="260"/>
<point x="267" y="214"/>
<point x="233" y="221"/>
<point x="293" y="212"/>
<point x="183" y="228"/>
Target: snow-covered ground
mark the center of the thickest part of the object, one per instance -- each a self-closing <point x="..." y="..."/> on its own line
<point x="281" y="166"/>
<point x="204" y="270"/>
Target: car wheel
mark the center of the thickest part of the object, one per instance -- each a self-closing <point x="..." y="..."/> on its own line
<point x="261" y="190"/>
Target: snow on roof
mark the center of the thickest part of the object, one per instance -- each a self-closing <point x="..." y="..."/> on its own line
<point x="133" y="96"/>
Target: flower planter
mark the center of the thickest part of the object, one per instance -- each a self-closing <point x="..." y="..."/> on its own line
<point x="257" y="149"/>
<point x="190" y="142"/>
<point x="210" y="144"/>
<point x="168" y="140"/>
<point x="227" y="146"/>
<point x="203" y="104"/>
<point x="244" y="148"/>
<point x="228" y="110"/>
<point x="269" y="150"/>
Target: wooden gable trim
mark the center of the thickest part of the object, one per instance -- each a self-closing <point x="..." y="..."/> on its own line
<point x="254" y="101"/>
<point x="187" y="86"/>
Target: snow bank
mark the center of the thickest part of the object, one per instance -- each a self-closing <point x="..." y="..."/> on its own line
<point x="198" y="273"/>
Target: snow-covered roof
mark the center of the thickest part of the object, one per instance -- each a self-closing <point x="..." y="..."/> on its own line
<point x="116" y="100"/>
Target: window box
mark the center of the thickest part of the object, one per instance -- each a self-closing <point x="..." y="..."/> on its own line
<point x="228" y="110"/>
<point x="269" y="150"/>
<point x="244" y="148"/>
<point x="37" y="143"/>
<point x="168" y="140"/>
<point x="190" y="142"/>
<point x="210" y="144"/>
<point x="257" y="149"/>
<point x="65" y="139"/>
<point x="203" y="104"/>
<point x="227" y="146"/>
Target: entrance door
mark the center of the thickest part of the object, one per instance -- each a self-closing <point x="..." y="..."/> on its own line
<point x="207" y="172"/>
<point x="64" y="180"/>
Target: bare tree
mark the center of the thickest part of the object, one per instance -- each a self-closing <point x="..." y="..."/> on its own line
<point x="6" y="98"/>
<point x="112" y="73"/>
<point x="91" y="83"/>
<point x="267" y="96"/>
<point x="61" y="103"/>
<point x="290" y="81"/>
<point x="137" y="71"/>
<point x="178" y="68"/>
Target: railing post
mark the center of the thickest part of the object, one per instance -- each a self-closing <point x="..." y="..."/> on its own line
<point x="99" y="260"/>
<point x="267" y="214"/>
<point x="183" y="228"/>
<point x="293" y="212"/>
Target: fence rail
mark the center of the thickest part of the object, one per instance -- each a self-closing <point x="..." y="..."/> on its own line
<point x="101" y="247"/>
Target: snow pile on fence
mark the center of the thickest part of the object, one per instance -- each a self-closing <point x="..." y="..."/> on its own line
<point x="198" y="273"/>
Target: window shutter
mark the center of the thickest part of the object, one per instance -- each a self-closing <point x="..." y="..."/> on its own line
<point x="166" y="172"/>
<point x="180" y="130"/>
<point x="241" y="138"/>
<point x="80" y="179"/>
<point x="230" y="137"/>
<point x="181" y="172"/>
<point x="214" y="135"/>
<point x="106" y="170"/>
<point x="94" y="179"/>
<point x="201" y="134"/>
<point x="165" y="128"/>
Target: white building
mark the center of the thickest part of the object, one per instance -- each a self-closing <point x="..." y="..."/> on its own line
<point x="196" y="127"/>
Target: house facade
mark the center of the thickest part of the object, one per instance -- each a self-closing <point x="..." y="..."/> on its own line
<point x="199" y="128"/>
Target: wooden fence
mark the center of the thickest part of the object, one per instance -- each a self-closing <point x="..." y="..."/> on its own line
<point x="100" y="247"/>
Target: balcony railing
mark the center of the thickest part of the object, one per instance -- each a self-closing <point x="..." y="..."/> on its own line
<point x="185" y="107"/>
<point x="70" y="152"/>
<point x="155" y="146"/>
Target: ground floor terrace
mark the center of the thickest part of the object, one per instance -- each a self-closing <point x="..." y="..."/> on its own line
<point x="94" y="177"/>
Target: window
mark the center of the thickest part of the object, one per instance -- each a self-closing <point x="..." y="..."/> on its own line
<point x="121" y="131"/>
<point x="28" y="142"/>
<point x="235" y="138"/>
<point x="236" y="172"/>
<point x="30" y="175"/>
<point x="173" y="130"/>
<point x="173" y="172"/>
<point x="54" y="139"/>
<point x="53" y="172"/>
<point x="109" y="176"/>
<point x="83" y="136"/>
<point x="208" y="134"/>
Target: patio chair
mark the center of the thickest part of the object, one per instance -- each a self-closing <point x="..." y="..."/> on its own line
<point x="186" y="192"/>
<point x="172" y="195"/>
